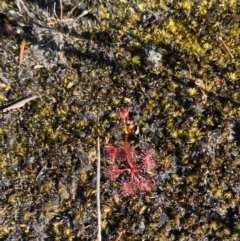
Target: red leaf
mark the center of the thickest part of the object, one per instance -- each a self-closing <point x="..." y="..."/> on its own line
<point x="129" y="188"/>
<point x="111" y="151"/>
<point x="148" y="162"/>
<point x="113" y="171"/>
<point x="145" y="184"/>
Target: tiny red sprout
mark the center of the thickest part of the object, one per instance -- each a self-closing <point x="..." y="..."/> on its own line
<point x="148" y="162"/>
<point x="123" y="113"/>
<point x="129" y="188"/>
<point x="111" y="151"/>
<point x="113" y="172"/>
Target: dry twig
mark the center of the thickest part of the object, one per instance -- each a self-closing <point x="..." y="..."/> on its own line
<point x="189" y="71"/>
<point x="98" y="191"/>
<point x="61" y="11"/>
<point x="20" y="103"/>
<point x="119" y="237"/>
<point x="22" y="47"/>
<point x="226" y="47"/>
<point x="200" y="84"/>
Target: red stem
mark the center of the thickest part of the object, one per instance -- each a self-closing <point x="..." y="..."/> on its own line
<point x="130" y="161"/>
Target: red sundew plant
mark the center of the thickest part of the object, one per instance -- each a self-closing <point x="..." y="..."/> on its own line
<point x="137" y="166"/>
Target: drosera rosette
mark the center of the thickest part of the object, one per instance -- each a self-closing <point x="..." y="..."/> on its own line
<point x="137" y="167"/>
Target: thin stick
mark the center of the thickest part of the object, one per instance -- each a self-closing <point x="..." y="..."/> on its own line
<point x="61" y="10"/>
<point x="20" y="103"/>
<point x="226" y="47"/>
<point x="22" y="47"/>
<point x="98" y="191"/>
